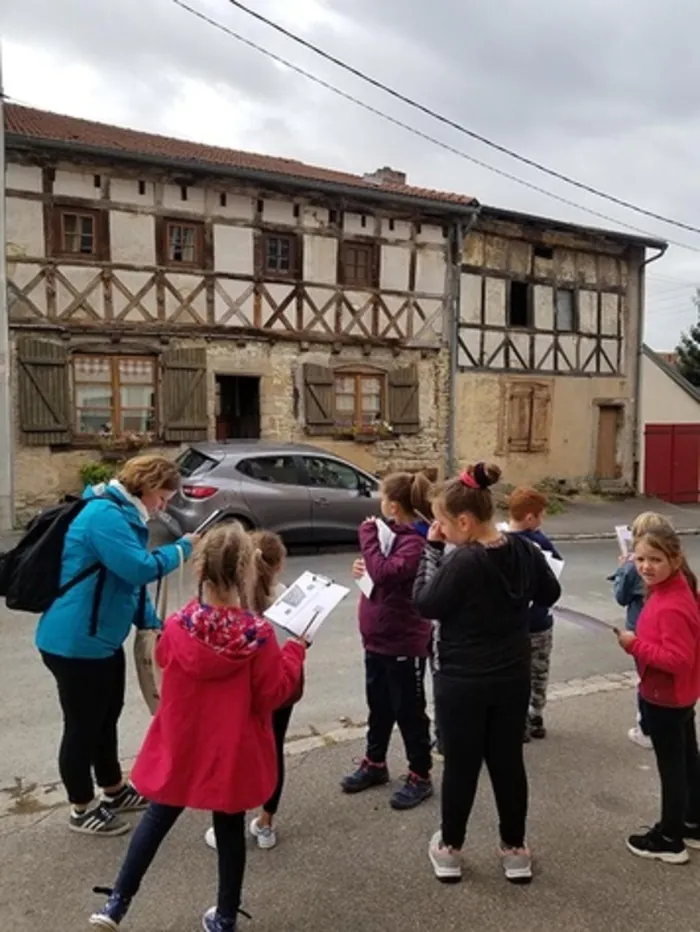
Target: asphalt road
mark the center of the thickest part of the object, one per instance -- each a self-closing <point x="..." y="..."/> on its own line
<point x="29" y="715"/>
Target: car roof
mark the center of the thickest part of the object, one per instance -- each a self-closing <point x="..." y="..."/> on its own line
<point x="246" y="447"/>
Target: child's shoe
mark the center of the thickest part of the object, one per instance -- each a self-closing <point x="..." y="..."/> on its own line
<point x="128" y="799"/>
<point x="265" y="835"/>
<point x="213" y="921"/>
<point x="414" y="792"/>
<point x="366" y="776"/>
<point x="447" y="864"/>
<point x="692" y="836"/>
<point x="637" y="736"/>
<point x="517" y="864"/>
<point x="536" y="727"/>
<point x="656" y="847"/>
<point x="112" y="913"/>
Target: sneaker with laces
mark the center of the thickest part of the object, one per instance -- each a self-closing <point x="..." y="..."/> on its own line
<point x="265" y="835"/>
<point x="97" y="821"/>
<point x="414" y="791"/>
<point x="112" y="913"/>
<point x="128" y="799"/>
<point x="656" y="847"/>
<point x="367" y="775"/>
<point x="213" y="921"/>
<point x="447" y="864"/>
<point x="691" y="835"/>
<point x="517" y="864"/>
<point x="637" y="736"/>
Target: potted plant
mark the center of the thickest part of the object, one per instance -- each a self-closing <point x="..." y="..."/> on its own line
<point x="118" y="446"/>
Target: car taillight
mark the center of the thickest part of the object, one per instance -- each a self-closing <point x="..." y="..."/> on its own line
<point x="199" y="491"/>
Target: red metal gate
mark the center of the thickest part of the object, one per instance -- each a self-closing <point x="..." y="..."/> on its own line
<point x="672" y="462"/>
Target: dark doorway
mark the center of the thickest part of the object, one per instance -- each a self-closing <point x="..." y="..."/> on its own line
<point x="237" y="407"/>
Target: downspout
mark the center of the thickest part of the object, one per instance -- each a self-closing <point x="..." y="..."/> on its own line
<point x="636" y="442"/>
<point x="460" y="231"/>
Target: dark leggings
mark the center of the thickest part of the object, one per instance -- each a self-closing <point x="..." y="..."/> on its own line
<point x="155" y="824"/>
<point x="280" y="724"/>
<point x="91" y="694"/>
<point x="673" y="736"/>
<point x="483" y="723"/>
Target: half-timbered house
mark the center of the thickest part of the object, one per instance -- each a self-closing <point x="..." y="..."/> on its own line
<point x="185" y="292"/>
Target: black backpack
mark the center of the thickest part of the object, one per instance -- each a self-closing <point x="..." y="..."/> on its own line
<point x="30" y="573"/>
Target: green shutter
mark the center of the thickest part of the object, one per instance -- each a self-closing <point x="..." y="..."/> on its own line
<point x="44" y="397"/>
<point x="184" y="390"/>
<point x="404" y="412"/>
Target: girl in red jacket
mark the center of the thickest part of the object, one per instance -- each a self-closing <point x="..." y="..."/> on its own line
<point x="666" y="647"/>
<point x="210" y="745"/>
<point x="396" y="641"/>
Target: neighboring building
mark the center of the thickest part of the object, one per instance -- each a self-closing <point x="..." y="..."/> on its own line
<point x="670" y="415"/>
<point x="549" y="342"/>
<point x="193" y="292"/>
<point x="670" y="358"/>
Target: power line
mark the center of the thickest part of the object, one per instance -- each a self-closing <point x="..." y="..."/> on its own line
<point x="458" y="126"/>
<point x="417" y="132"/>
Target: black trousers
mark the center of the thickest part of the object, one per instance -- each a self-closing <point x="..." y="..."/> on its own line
<point x="155" y="824"/>
<point x="280" y="724"/>
<point x="483" y="723"/>
<point x="396" y="696"/>
<point x="673" y="735"/>
<point x="91" y="694"/>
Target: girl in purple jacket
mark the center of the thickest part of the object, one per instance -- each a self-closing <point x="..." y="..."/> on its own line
<point x="396" y="641"/>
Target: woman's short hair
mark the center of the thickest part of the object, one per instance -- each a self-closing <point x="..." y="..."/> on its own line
<point x="143" y="474"/>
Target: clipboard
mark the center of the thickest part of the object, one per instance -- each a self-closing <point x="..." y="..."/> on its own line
<point x="304" y="605"/>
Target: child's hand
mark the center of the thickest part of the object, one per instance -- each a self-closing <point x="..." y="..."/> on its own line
<point x="625" y="639"/>
<point x="358" y="568"/>
<point x="372" y="519"/>
<point x="435" y="534"/>
<point x="622" y="560"/>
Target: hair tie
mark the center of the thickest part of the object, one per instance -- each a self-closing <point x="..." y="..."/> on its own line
<point x="468" y="480"/>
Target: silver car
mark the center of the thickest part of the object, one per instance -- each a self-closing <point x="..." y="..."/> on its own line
<point x="305" y="494"/>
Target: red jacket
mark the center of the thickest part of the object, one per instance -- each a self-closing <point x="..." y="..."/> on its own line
<point x="389" y="621"/>
<point x="667" y="645"/>
<point x="210" y="745"/>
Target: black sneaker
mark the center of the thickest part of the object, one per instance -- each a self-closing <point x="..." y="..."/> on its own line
<point x="112" y="913"/>
<point x="128" y="799"/>
<point x="414" y="792"/>
<point x="691" y="834"/>
<point x="365" y="777"/>
<point x="657" y="847"/>
<point x="536" y="727"/>
<point x="97" y="821"/>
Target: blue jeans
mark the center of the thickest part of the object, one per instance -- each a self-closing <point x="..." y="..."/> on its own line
<point x="155" y="824"/>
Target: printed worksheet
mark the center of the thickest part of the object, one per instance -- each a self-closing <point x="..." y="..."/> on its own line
<point x="556" y="566"/>
<point x="303" y="607"/>
<point x="624" y="539"/>
<point x="386" y="541"/>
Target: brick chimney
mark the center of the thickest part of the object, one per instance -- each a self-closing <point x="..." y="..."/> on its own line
<point x="386" y="175"/>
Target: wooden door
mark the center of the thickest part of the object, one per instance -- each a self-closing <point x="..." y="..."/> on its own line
<point x="606" y="454"/>
<point x="672" y="462"/>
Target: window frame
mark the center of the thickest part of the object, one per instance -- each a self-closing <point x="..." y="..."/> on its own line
<point x="574" y="310"/>
<point x="100" y="233"/>
<point x="373" y="254"/>
<point x="359" y="375"/>
<point x="199" y="261"/>
<point x="294" y="255"/>
<point x="115" y="385"/>
<point x="529" y="306"/>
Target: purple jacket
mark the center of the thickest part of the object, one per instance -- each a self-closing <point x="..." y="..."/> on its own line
<point x="389" y="622"/>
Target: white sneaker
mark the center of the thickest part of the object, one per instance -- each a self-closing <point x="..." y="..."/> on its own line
<point x="210" y="838"/>
<point x="637" y="736"/>
<point x="265" y="835"/>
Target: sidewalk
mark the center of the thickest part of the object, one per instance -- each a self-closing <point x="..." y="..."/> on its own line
<point x="351" y="864"/>
<point x="596" y="520"/>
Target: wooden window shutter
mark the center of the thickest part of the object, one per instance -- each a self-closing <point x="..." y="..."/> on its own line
<point x="185" y="395"/>
<point x="541" y="408"/>
<point x="404" y="409"/>
<point x="519" y="417"/>
<point x="44" y="396"/>
<point x="318" y="398"/>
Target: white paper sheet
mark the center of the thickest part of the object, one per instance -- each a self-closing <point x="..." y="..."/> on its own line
<point x="304" y="606"/>
<point x="561" y="613"/>
<point x="556" y="566"/>
<point x="386" y="541"/>
<point x="624" y="539"/>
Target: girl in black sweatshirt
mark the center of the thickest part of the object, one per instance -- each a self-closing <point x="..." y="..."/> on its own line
<point x="479" y="595"/>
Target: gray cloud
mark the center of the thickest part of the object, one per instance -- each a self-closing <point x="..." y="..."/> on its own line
<point x="602" y="91"/>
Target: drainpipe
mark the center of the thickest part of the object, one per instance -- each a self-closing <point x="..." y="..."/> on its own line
<point x="460" y="233"/>
<point x="636" y="444"/>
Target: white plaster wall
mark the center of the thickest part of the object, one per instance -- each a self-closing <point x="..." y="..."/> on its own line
<point x="352" y="224"/>
<point x="25" y="227"/>
<point x="588" y="311"/>
<point x="126" y="191"/>
<point x="470" y="299"/>
<point x="76" y="184"/>
<point x="172" y="198"/>
<point x="320" y="259"/>
<point x="23" y="178"/>
<point x="495" y="311"/>
<point x="544" y="307"/>
<point x="430" y="271"/>
<point x="393" y="268"/>
<point x="315" y="218"/>
<point x="402" y="229"/>
<point x="429" y="234"/>
<point x="233" y="249"/>
<point x="278" y="211"/>
<point x="132" y="237"/>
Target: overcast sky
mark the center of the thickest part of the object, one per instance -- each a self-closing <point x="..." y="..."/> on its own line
<point x="604" y="91"/>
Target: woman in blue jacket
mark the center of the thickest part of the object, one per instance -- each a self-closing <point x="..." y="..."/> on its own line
<point x="82" y="634"/>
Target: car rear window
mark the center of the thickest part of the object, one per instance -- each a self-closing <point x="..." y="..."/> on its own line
<point x="194" y="463"/>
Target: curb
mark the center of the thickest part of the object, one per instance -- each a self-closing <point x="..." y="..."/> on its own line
<point x="610" y="535"/>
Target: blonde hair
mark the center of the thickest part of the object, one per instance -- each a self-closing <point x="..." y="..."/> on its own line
<point x="664" y="538"/>
<point x="224" y="560"/>
<point x="648" y="521"/>
<point x="143" y="474"/>
<point x="269" y="554"/>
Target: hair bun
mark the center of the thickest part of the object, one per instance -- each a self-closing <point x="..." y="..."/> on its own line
<point x="486" y="474"/>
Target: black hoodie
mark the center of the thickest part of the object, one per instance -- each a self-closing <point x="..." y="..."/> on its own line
<point x="479" y="596"/>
